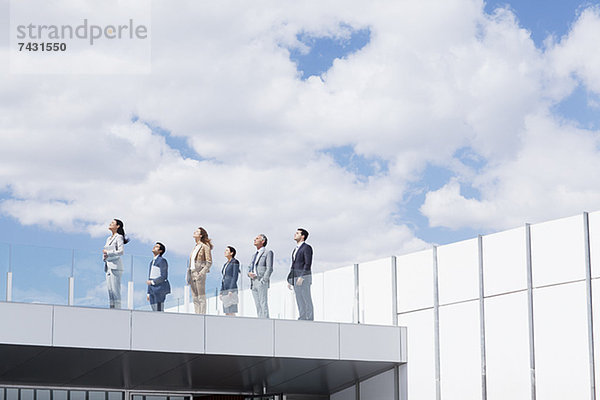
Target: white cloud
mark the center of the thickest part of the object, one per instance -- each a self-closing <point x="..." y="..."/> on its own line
<point x="434" y="78"/>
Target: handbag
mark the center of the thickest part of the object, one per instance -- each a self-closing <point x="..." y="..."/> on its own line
<point x="229" y="299"/>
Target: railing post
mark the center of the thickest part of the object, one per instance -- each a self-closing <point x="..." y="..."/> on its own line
<point x="186" y="298"/>
<point x="130" y="295"/>
<point x="130" y="288"/>
<point x="71" y="290"/>
<point x="394" y="291"/>
<point x="71" y="293"/>
<point x="9" y="275"/>
<point x="356" y="317"/>
<point x="9" y="286"/>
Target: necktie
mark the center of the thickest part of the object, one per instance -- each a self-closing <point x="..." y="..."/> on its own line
<point x="254" y="260"/>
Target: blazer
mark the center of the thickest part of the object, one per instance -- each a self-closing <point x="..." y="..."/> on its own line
<point x="301" y="264"/>
<point x="161" y="286"/>
<point x="202" y="262"/>
<point x="230" y="273"/>
<point x="114" y="250"/>
<point x="264" y="267"/>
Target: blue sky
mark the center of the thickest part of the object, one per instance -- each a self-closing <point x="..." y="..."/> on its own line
<point x="323" y="56"/>
<point x="541" y="18"/>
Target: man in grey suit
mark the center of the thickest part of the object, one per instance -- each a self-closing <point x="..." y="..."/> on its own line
<point x="259" y="272"/>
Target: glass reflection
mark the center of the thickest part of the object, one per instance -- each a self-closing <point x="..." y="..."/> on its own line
<point x="59" y="395"/>
<point x="42" y="394"/>
<point x="415" y="280"/>
<point x="561" y="345"/>
<point x="504" y="262"/>
<point x="557" y="252"/>
<point x="93" y="395"/>
<point x="115" y="395"/>
<point x="76" y="395"/>
<point x="26" y="394"/>
<point x="458" y="271"/>
<point x="375" y="287"/>
<point x="507" y="347"/>
<point x="421" y="355"/>
<point x="460" y="351"/>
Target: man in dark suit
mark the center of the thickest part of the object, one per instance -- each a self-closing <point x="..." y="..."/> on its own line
<point x="300" y="276"/>
<point x="158" y="283"/>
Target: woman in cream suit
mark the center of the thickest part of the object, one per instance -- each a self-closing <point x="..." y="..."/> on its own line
<point x="198" y="266"/>
<point x="113" y="265"/>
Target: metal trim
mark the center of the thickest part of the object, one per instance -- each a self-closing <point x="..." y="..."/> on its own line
<point x="589" y="298"/>
<point x="530" y="309"/>
<point x="482" y="319"/>
<point x="436" y="326"/>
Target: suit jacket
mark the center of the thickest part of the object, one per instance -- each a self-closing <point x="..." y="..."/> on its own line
<point x="114" y="250"/>
<point x="301" y="263"/>
<point x="263" y="268"/>
<point x="202" y="262"/>
<point x="230" y="272"/>
<point x="161" y="286"/>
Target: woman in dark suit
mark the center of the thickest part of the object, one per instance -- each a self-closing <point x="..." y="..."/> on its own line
<point x="230" y="271"/>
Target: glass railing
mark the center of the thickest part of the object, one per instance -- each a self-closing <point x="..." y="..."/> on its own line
<point x="46" y="275"/>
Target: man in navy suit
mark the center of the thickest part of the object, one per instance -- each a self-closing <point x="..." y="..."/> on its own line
<point x="300" y="276"/>
<point x="158" y="283"/>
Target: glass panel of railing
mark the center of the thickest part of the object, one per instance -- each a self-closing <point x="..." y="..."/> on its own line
<point x="90" y="280"/>
<point x="4" y="262"/>
<point x="557" y="252"/>
<point x="175" y="301"/>
<point x="246" y="307"/>
<point x="504" y="262"/>
<point x="458" y="271"/>
<point x="317" y="296"/>
<point x="40" y="274"/>
<point x="561" y="339"/>
<point x="375" y="287"/>
<point x="287" y="300"/>
<point x="415" y="280"/>
<point x="338" y="295"/>
<point x="140" y="266"/>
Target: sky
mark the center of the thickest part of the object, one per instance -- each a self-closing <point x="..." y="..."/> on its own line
<point x="381" y="127"/>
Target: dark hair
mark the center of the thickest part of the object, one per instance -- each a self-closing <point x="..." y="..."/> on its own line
<point x="121" y="231"/>
<point x="204" y="237"/>
<point x="265" y="240"/>
<point x="161" y="247"/>
<point x="232" y="250"/>
<point x="304" y="233"/>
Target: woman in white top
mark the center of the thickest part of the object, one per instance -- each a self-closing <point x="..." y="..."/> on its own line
<point x="113" y="265"/>
<point x="198" y="266"/>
